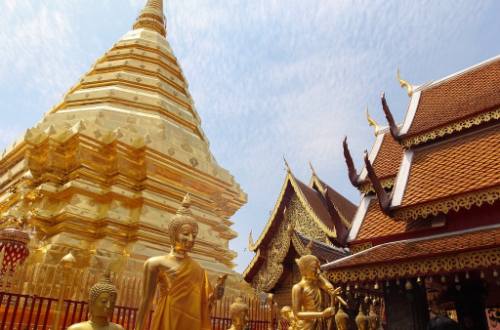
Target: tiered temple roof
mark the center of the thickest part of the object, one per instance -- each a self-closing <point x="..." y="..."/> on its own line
<point x="306" y="219"/>
<point x="445" y="164"/>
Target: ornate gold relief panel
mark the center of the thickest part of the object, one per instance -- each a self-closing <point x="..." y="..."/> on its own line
<point x="300" y="219"/>
<point x="272" y="268"/>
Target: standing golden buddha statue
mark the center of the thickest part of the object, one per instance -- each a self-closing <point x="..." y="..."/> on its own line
<point x="101" y="306"/>
<point x="307" y="297"/>
<point x="238" y="312"/>
<point x="186" y="296"/>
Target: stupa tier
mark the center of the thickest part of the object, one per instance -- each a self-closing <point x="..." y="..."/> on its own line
<point x="112" y="161"/>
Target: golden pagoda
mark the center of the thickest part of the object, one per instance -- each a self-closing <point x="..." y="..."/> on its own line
<point x="105" y="170"/>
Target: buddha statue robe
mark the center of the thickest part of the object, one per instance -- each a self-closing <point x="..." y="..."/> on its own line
<point x="183" y="302"/>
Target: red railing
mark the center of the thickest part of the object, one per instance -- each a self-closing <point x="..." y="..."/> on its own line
<point x="26" y="312"/>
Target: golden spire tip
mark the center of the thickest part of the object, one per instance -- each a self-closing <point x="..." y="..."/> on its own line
<point x="405" y="84"/>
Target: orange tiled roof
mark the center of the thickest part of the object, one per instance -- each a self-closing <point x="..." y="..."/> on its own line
<point x="378" y="224"/>
<point x="460" y="97"/>
<point x="388" y="158"/>
<point x="419" y="248"/>
<point x="462" y="165"/>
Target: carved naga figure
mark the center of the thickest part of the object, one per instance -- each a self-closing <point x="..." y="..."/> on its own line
<point x="101" y="305"/>
<point x="186" y="296"/>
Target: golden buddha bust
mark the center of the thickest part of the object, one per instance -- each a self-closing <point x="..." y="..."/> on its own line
<point x="238" y="312"/>
<point x="186" y="296"/>
<point x="341" y="319"/>
<point x="101" y="306"/>
<point x="287" y="315"/>
<point x="307" y="296"/>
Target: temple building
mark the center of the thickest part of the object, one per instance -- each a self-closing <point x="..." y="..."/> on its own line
<point x="108" y="166"/>
<point x="426" y="235"/>
<point x="307" y="219"/>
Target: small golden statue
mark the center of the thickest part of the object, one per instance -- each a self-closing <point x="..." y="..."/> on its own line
<point x="287" y="315"/>
<point x="341" y="319"/>
<point x="186" y="296"/>
<point x="373" y="317"/>
<point x="238" y="312"/>
<point x="101" y="306"/>
<point x="273" y="311"/>
<point x="361" y="319"/>
<point x="307" y="298"/>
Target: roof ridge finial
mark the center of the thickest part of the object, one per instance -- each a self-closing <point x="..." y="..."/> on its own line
<point x="185" y="208"/>
<point x="287" y="165"/>
<point x="152" y="17"/>
<point x="372" y="122"/>
<point x="405" y="84"/>
<point x="312" y="169"/>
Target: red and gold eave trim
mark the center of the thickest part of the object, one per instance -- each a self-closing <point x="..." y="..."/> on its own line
<point x="484" y="117"/>
<point x="453" y="203"/>
<point x="466" y="261"/>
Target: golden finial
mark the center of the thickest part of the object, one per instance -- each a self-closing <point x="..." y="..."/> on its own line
<point x="405" y="84"/>
<point x="152" y="18"/>
<point x="286" y="164"/>
<point x="372" y="122"/>
<point x="185" y="208"/>
<point x="251" y="242"/>
<point x="312" y="169"/>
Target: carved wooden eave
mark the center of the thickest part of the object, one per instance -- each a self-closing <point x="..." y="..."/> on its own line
<point x="290" y="182"/>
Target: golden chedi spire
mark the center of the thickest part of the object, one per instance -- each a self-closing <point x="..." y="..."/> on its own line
<point x="152" y="18"/>
<point x="128" y="140"/>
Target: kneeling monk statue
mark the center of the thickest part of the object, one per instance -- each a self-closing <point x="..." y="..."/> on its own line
<point x="307" y="297"/>
<point x="101" y="306"/>
<point x="186" y="297"/>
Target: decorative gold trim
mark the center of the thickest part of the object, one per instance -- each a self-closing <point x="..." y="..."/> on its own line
<point x="251" y="264"/>
<point x="328" y="231"/>
<point x="272" y="268"/>
<point x="444" y="206"/>
<point x="367" y="187"/>
<point x="361" y="247"/>
<point x="299" y="247"/>
<point x="426" y="266"/>
<point x="272" y="217"/>
<point x="270" y="221"/>
<point x="452" y="128"/>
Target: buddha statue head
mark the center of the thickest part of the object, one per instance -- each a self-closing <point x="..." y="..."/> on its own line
<point x="183" y="228"/>
<point x="308" y="266"/>
<point x="238" y="312"/>
<point x="102" y="299"/>
<point x="286" y="313"/>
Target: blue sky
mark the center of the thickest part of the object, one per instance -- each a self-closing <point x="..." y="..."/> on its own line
<point x="269" y="77"/>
